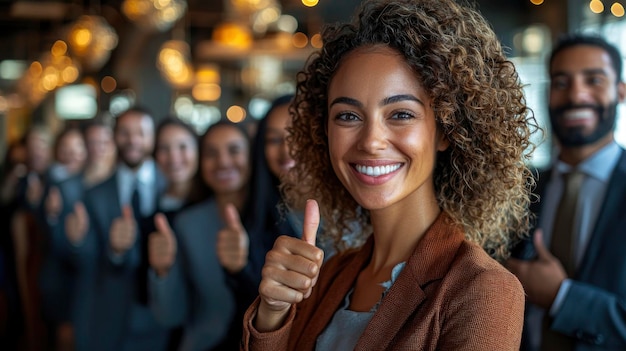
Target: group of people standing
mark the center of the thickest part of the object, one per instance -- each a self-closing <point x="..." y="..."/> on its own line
<point x="387" y="205"/>
<point x="164" y="250"/>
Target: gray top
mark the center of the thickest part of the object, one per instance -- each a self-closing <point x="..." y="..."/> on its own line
<point x="346" y="327"/>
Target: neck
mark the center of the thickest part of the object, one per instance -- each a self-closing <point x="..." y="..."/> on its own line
<point x="235" y="198"/>
<point x="398" y="230"/>
<point x="179" y="190"/>
<point x="573" y="156"/>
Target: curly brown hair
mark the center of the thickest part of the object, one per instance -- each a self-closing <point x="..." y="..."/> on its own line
<point x="481" y="180"/>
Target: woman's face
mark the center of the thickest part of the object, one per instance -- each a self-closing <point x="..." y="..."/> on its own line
<point x="382" y="132"/>
<point x="225" y="163"/>
<point x="100" y="144"/>
<point x="276" y="147"/>
<point x="72" y="152"/>
<point x="38" y="151"/>
<point x="177" y="154"/>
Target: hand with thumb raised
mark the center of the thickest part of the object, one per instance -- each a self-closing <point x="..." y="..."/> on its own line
<point x="123" y="233"/>
<point x="290" y="272"/>
<point x="34" y="190"/>
<point x="77" y="224"/>
<point x="232" y="241"/>
<point x="54" y="203"/>
<point x="161" y="246"/>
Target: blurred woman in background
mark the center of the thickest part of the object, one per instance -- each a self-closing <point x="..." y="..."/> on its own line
<point x="190" y="263"/>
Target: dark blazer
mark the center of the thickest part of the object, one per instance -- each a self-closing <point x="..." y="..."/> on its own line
<point x="194" y="293"/>
<point x="450" y="296"/>
<point x="594" y="311"/>
<point x="117" y="319"/>
<point x="58" y="271"/>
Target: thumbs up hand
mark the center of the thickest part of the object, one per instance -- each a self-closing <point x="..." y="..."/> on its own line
<point x="76" y="224"/>
<point x="54" y="203"/>
<point x="34" y="190"/>
<point x="232" y="242"/>
<point x="290" y="272"/>
<point x="161" y="246"/>
<point x="123" y="233"/>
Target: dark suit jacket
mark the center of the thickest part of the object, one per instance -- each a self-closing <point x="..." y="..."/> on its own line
<point x="194" y="293"/>
<point x="58" y="272"/>
<point x="594" y="310"/>
<point x="450" y="296"/>
<point x="117" y="318"/>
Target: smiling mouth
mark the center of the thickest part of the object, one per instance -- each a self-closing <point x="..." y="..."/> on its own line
<point x="578" y="114"/>
<point x="377" y="171"/>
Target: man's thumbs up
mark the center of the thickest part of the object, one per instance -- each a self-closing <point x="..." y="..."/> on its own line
<point x="232" y="242"/>
<point x="76" y="224"/>
<point x="54" y="203"/>
<point x="161" y="246"/>
<point x="123" y="231"/>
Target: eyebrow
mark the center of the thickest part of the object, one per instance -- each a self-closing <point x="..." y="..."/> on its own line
<point x="385" y="101"/>
<point x="587" y="72"/>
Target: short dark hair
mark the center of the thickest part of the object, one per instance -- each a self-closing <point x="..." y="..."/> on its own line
<point x="575" y="39"/>
<point x="175" y="121"/>
<point x="135" y="109"/>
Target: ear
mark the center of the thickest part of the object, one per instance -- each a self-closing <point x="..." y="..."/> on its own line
<point x="442" y="140"/>
<point x="621" y="91"/>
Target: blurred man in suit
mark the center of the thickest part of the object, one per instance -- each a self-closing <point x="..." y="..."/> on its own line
<point x="110" y="233"/>
<point x="574" y="271"/>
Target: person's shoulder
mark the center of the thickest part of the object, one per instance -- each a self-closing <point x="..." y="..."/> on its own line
<point x="103" y="187"/>
<point x="474" y="264"/>
<point x="197" y="216"/>
<point x="205" y="208"/>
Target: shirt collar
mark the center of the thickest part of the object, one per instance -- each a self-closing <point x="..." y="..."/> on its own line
<point x="144" y="175"/>
<point x="600" y="165"/>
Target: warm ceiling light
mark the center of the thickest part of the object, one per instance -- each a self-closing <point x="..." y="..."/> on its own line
<point x="108" y="84"/>
<point x="153" y="15"/>
<point x="236" y="114"/>
<point x="300" y="40"/>
<point x="59" y="48"/>
<point x="206" y="92"/>
<point x="596" y="6"/>
<point x="69" y="74"/>
<point x="208" y="74"/>
<point x="287" y="23"/>
<point x="316" y="41"/>
<point x="617" y="9"/>
<point x="536" y="2"/>
<point x="233" y="34"/>
<point x="309" y="3"/>
<point x="174" y="62"/>
<point x="91" y="40"/>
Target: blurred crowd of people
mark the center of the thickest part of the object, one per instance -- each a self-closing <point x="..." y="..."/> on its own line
<point x="139" y="235"/>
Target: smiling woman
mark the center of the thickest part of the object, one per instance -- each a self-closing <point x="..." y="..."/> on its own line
<point x="411" y="122"/>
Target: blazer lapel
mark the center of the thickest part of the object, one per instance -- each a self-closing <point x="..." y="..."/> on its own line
<point x="611" y="207"/>
<point x="429" y="262"/>
<point x="337" y="291"/>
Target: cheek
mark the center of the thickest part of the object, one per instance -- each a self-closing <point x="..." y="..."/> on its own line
<point x="243" y="164"/>
<point x="207" y="166"/>
<point x="271" y="154"/>
<point x="192" y="160"/>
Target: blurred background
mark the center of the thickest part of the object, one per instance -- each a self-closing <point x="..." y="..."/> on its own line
<point x="206" y="60"/>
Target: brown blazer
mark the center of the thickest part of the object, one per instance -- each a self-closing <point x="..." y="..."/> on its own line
<point x="450" y="296"/>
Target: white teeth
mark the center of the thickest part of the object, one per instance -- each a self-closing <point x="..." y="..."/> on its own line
<point x="578" y="114"/>
<point x="377" y="171"/>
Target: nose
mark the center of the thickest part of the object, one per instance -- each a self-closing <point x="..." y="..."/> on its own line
<point x="580" y="92"/>
<point x="223" y="159"/>
<point x="373" y="136"/>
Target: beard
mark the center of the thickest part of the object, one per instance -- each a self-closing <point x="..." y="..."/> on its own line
<point x="132" y="161"/>
<point x="576" y="136"/>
